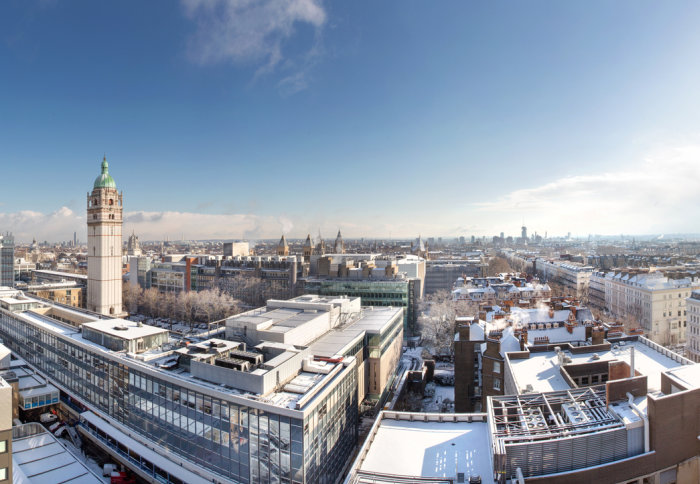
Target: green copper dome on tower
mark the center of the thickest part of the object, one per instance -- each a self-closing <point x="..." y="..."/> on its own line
<point x="105" y="180"/>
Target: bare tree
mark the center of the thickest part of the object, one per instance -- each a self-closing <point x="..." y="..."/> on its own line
<point x="131" y="294"/>
<point x="149" y="302"/>
<point x="185" y="306"/>
<point x="498" y="265"/>
<point x="436" y="322"/>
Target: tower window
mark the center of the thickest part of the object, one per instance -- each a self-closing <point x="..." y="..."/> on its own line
<point x="111" y="202"/>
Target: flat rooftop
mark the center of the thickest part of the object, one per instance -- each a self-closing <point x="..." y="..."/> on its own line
<point x="72" y="275"/>
<point x="161" y="359"/>
<point x="124" y="329"/>
<point x="688" y="375"/>
<point x="283" y="319"/>
<point x="372" y="321"/>
<point x="437" y="449"/>
<point x="541" y="370"/>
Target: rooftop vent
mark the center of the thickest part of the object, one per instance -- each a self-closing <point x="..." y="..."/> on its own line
<point x="121" y="327"/>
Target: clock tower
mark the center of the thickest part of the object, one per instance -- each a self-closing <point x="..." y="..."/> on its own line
<point x="104" y="220"/>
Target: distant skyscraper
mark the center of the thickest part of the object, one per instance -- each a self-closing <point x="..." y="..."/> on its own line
<point x="7" y="260"/>
<point x="523" y="232"/>
<point x="104" y="209"/>
<point x="75" y="239"/>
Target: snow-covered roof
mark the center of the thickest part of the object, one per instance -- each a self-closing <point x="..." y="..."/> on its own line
<point x="541" y="370"/>
<point x="509" y="342"/>
<point x="539" y="315"/>
<point x="124" y="329"/>
<point x="476" y="332"/>
<point x="430" y="449"/>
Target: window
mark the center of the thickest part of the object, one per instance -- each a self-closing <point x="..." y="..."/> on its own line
<point x="496" y="366"/>
<point x="496" y="384"/>
<point x="3" y="474"/>
<point x="3" y="446"/>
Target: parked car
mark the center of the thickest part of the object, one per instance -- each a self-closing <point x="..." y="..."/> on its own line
<point x="47" y="418"/>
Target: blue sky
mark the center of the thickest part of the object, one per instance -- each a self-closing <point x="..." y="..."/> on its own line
<point x="233" y="119"/>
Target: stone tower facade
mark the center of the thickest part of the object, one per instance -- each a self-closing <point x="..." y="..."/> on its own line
<point x="104" y="212"/>
<point x="308" y="249"/>
<point x="283" y="247"/>
<point x="339" y="245"/>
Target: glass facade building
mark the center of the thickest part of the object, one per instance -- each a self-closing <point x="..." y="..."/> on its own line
<point x="233" y="438"/>
<point x="7" y="260"/>
<point x="397" y="293"/>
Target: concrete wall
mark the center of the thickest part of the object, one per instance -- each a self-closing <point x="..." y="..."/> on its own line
<point x="262" y="382"/>
<point x="380" y="369"/>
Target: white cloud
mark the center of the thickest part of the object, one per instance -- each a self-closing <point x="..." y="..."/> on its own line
<point x="660" y="194"/>
<point x="61" y="224"/>
<point x="253" y="32"/>
<point x="27" y="224"/>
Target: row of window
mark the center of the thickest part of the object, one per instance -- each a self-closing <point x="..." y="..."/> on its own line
<point x="243" y="443"/>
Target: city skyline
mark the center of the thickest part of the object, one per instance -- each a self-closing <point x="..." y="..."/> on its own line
<point x="469" y="120"/>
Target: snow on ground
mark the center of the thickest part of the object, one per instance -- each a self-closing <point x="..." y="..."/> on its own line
<point x="89" y="462"/>
<point x="437" y="403"/>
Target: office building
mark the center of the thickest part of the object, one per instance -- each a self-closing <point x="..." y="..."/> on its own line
<point x="7" y="260"/>
<point x="104" y="220"/>
<point x="396" y="292"/>
<point x="441" y="274"/>
<point x="278" y="404"/>
<point x="236" y="249"/>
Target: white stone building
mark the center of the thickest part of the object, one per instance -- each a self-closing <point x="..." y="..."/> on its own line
<point x="573" y="276"/>
<point x="693" y="333"/>
<point x="655" y="301"/>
